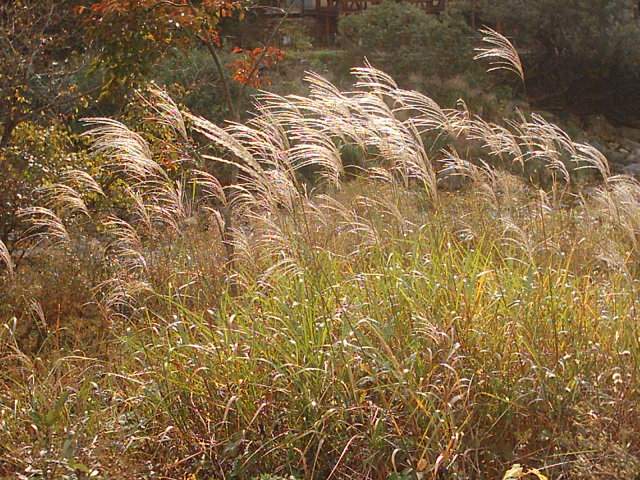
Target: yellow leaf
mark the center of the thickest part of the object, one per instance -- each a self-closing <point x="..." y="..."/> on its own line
<point x="536" y="472"/>
<point x="514" y="473"/>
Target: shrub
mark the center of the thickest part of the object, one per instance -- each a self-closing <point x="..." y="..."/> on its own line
<point x="188" y="76"/>
<point x="423" y="52"/>
<point x="405" y="40"/>
<point x="385" y="330"/>
<point x="587" y="56"/>
<point x="38" y="155"/>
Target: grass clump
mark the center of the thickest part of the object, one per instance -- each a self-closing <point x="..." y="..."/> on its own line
<point x="440" y="314"/>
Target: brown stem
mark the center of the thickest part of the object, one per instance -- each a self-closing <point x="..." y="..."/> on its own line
<point x="227" y="211"/>
<point x="260" y="58"/>
<point x="225" y="83"/>
<point x="206" y="41"/>
<point x="7" y="130"/>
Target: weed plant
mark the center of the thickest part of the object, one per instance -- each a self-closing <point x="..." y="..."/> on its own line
<point x="431" y="314"/>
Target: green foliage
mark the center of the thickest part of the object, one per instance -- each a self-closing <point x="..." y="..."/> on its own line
<point x="432" y="342"/>
<point x="296" y="35"/>
<point x="424" y="52"/>
<point x="267" y="476"/>
<point x="385" y="329"/>
<point x="190" y="77"/>
<point x="193" y="80"/>
<point x="586" y="54"/>
<point x="37" y="156"/>
<point x="133" y="36"/>
<point x="404" y="40"/>
<point x="39" y="53"/>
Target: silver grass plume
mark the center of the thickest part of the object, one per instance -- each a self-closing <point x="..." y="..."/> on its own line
<point x="501" y="53"/>
<point x="126" y="246"/>
<point x="63" y="199"/>
<point x="82" y="181"/>
<point x="44" y="226"/>
<point x="5" y="258"/>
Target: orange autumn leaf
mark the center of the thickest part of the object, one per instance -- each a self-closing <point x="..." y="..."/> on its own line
<point x="251" y="68"/>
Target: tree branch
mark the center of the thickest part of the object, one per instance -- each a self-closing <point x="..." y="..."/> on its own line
<point x="216" y="60"/>
<point x="264" y="50"/>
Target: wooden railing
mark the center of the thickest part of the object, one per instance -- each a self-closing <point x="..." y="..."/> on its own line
<point x="343" y="7"/>
<point x="327" y="12"/>
<point x="354" y="6"/>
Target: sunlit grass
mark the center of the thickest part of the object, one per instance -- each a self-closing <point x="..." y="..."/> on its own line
<point x="371" y="325"/>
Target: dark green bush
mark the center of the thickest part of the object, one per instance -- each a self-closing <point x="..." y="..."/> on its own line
<point x="430" y="53"/>
<point x="37" y="156"/>
<point x="405" y="41"/>
<point x="577" y="52"/>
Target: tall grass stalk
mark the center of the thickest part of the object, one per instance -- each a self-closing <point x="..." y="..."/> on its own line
<point x="421" y="314"/>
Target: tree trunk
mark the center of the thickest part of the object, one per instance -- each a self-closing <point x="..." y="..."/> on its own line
<point x="7" y="130"/>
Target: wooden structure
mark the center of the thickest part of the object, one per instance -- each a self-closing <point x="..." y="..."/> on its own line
<point x="327" y="12"/>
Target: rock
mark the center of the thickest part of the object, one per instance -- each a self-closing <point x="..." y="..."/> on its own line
<point x="599" y="126"/>
<point x="614" y="154"/>
<point x="618" y="158"/>
<point x="629" y="133"/>
<point x="630" y="145"/>
<point x="634" y="157"/>
<point x="633" y="170"/>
